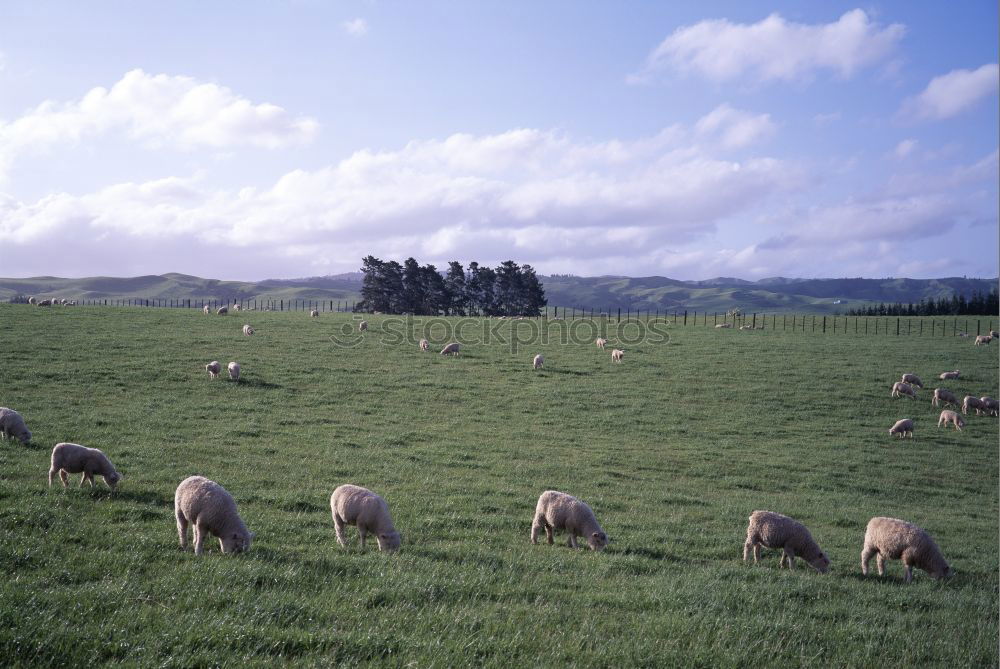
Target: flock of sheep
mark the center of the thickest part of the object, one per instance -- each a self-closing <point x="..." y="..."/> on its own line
<point x="209" y="509"/>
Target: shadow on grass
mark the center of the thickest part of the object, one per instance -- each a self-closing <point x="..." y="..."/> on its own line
<point x="258" y="383"/>
<point x="567" y="372"/>
<point x="141" y="496"/>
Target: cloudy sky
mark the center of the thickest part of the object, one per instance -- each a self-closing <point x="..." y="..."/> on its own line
<point x="246" y="140"/>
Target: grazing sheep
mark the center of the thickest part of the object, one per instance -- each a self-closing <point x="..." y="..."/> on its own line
<point x="354" y="505"/>
<point x="32" y="300"/>
<point x="313" y="314"/>
<point x="206" y="310"/>
<point x="74" y="459"/>
<point x="617" y="355"/>
<point x="247" y="330"/>
<point x="234" y="371"/>
<point x="363" y="326"/>
<point x="953" y="417"/>
<point x="991" y="405"/>
<point x="559" y="511"/>
<point x="773" y="530"/>
<point x="222" y="311"/>
<point x="961" y="334"/>
<point x="970" y="402"/>
<point x="902" y="427"/>
<point x="913" y="380"/>
<point x="237" y="307"/>
<point x="210" y="509"/>
<point x="894" y="539"/>
<point x="451" y="349"/>
<point x="949" y="375"/>
<point x="899" y="389"/>
<point x="12" y="426"/>
<point x="601" y="343"/>
<point x="995" y="334"/>
<point x="721" y="326"/>
<point x="71" y="303"/>
<point x="213" y="369"/>
<point x="425" y="345"/>
<point x="536" y="363"/>
<point x="943" y="397"/>
<point x="983" y="339"/>
<point x="45" y="303"/>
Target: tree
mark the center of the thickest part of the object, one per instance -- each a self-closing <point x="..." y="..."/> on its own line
<point x="412" y="300"/>
<point x="455" y="286"/>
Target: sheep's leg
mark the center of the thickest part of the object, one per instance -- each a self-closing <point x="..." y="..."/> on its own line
<point x="182" y="527"/>
<point x="572" y="539"/>
<point x="51" y="472"/>
<point x="199" y="538"/>
<point x="756" y="553"/>
<point x="362" y="532"/>
<point x="338" y="526"/>
<point x="536" y="526"/>
<point x="880" y="563"/>
<point x="866" y="557"/>
<point x="747" y="548"/>
<point x="790" y="557"/>
<point x="909" y="573"/>
<point x="64" y="477"/>
<point x="83" y="479"/>
<point x="549" y="534"/>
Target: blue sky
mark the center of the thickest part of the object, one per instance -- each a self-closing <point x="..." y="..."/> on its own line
<point x="247" y="140"/>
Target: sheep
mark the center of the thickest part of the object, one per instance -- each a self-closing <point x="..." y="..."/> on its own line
<point x="773" y="530"/>
<point x="983" y="339"/>
<point x="721" y="326"/>
<point x="970" y="402"/>
<point x="247" y="330"/>
<point x="234" y="371"/>
<point x="32" y="300"/>
<point x="559" y="511"/>
<point x="451" y="349"/>
<point x="601" y="343"/>
<point x="210" y="509"/>
<point x="913" y="380"/>
<point x="213" y="369"/>
<point x="354" y="505"/>
<point x="536" y="363"/>
<point x="991" y="405"/>
<point x="899" y="389"/>
<point x="953" y="417"/>
<point x="617" y="355"/>
<point x="222" y="311"/>
<point x="425" y="345"/>
<point x="237" y="307"/>
<point x="944" y="376"/>
<point x="313" y="314"/>
<point x="943" y="396"/>
<point x="71" y="303"/>
<point x="12" y="426"/>
<point x="206" y="310"/>
<point x="995" y="334"/>
<point x="363" y="326"/>
<point x="74" y="459"/>
<point x="902" y="427"/>
<point x="45" y="303"/>
<point x="894" y="539"/>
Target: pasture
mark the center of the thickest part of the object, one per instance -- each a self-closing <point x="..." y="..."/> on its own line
<point x="673" y="449"/>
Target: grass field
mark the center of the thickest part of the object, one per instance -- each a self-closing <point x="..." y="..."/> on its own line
<point x="673" y="449"/>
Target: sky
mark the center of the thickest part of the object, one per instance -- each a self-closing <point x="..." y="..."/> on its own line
<point x="266" y="139"/>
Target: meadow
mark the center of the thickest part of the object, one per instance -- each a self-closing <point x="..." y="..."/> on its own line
<point x="673" y="449"/>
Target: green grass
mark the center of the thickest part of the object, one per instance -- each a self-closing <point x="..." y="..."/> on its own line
<point x="673" y="449"/>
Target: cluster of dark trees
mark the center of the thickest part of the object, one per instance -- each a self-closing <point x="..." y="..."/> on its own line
<point x="508" y="290"/>
<point x="979" y="304"/>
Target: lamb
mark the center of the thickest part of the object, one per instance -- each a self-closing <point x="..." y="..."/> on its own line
<point x="892" y="539"/>
<point x="559" y="511"/>
<point x="617" y="355"/>
<point x="247" y="330"/>
<point x="983" y="339"/>
<point x="313" y="314"/>
<point x="12" y="426"/>
<point x="363" y="326"/>
<point x="943" y="396"/>
<point x="721" y="326"/>
<point x="913" y="380"/>
<point x="234" y="371"/>
<point x="773" y="530"/>
<point x="899" y="389"/>
<point x="953" y="417"/>
<point x="206" y="310"/>
<point x="536" y="363"/>
<point x="902" y="427"/>
<point x="425" y="345"/>
<point x="209" y="508"/>
<point x="354" y="505"/>
<point x="222" y="311"/>
<point x="949" y="375"/>
<point x="601" y="343"/>
<point x="213" y="369"/>
<point x="74" y="459"/>
<point x="451" y="349"/>
<point x="992" y="406"/>
<point x="970" y="402"/>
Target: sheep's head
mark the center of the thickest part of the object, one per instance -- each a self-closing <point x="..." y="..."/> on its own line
<point x="389" y="541"/>
<point x="597" y="541"/>
<point x="113" y="479"/>
<point x="237" y="542"/>
<point x="821" y="563"/>
<point x="24" y="435"/>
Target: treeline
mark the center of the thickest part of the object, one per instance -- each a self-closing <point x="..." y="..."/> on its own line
<point x="979" y="304"/>
<point x="508" y="290"/>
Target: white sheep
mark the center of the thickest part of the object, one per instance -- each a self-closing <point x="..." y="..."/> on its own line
<point x="773" y="530"/>
<point x="953" y="417"/>
<point x="32" y="300"/>
<point x="363" y="326"/>
<point x="425" y="345"/>
<point x="210" y="509"/>
<point x="558" y="511"/>
<point x="237" y="307"/>
<point x="970" y="402"/>
<point x="222" y="311"/>
<point x="74" y="459"/>
<point x="537" y="362"/>
<point x="944" y="376"/>
<point x="354" y="505"/>
<point x="943" y="397"/>
<point x="722" y="326"/>
<point x="601" y="343"/>
<point x="247" y="330"/>
<point x="234" y="371"/>
<point x="983" y="339"/>
<point x="992" y="405"/>
<point x="894" y="539"/>
<point x="913" y="380"/>
<point x="12" y="426"/>
<point x="451" y="349"/>
<point x="902" y="427"/>
<point x="213" y="369"/>
<point x="617" y="355"/>
<point x="313" y="314"/>
<point x="206" y="310"/>
<point x="45" y="303"/>
<point x="899" y="389"/>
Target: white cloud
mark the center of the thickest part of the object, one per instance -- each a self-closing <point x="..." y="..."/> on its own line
<point x="953" y="93"/>
<point x="905" y="148"/>
<point x="735" y="128"/>
<point x="826" y="119"/>
<point x="357" y="27"/>
<point x="773" y="49"/>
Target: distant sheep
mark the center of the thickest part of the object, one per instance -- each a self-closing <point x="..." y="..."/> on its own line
<point x="12" y="426"/>
<point x="313" y="314"/>
<point x="363" y="326"/>
<point x="45" y="303"/>
<point x="237" y="307"/>
<point x="74" y="459"/>
<point x="992" y="406"/>
<point x="970" y="402"/>
<point x="206" y="309"/>
<point x="537" y="362"/>
<point x="949" y="375"/>
<point x="894" y="539"/>
<point x="32" y="300"/>
<point x="210" y="509"/>
<point x="247" y="330"/>
<point x="953" y="417"/>
<point x="617" y="355"/>
<point x="899" y="389"/>
<point x="425" y="345"/>
<point x="354" y="505"/>
<point x="222" y="311"/>
<point x="451" y="349"/>
<point x="773" y="530"/>
<point x="557" y="511"/>
<point x="983" y="339"/>
<point x="902" y="427"/>
<point x="943" y="397"/>
<point x="234" y="371"/>
<point x="913" y="380"/>
<point x="995" y="334"/>
<point x="213" y="369"/>
<point x="721" y="326"/>
<point x="601" y="343"/>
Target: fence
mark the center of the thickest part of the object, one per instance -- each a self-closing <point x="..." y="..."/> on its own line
<point x="188" y="303"/>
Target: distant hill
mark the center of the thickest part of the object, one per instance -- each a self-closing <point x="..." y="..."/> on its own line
<point x="775" y="294"/>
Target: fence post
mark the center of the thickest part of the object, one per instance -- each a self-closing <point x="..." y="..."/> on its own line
<point x="754" y="323"/>
<point x="977" y="326"/>
<point x="715" y="318"/>
<point x="824" y="324"/>
<point x="685" y="317"/>
<point x="619" y="314"/>
<point x="921" y="333"/>
<point x="897" y="326"/>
